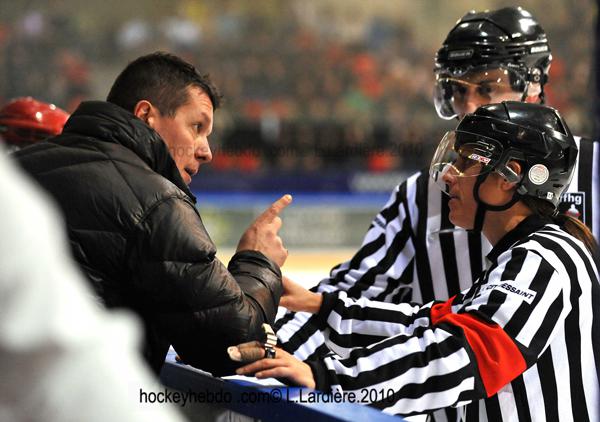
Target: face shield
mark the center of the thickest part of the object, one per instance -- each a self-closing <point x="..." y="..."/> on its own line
<point x="459" y="92"/>
<point x="463" y="154"/>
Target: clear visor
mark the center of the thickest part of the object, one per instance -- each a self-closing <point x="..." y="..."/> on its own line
<point x="457" y="94"/>
<point x="470" y="159"/>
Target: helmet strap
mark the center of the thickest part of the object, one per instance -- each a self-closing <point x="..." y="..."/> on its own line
<point x="542" y="95"/>
<point x="525" y="92"/>
<point x="479" y="218"/>
<point x="524" y="96"/>
<point x="483" y="207"/>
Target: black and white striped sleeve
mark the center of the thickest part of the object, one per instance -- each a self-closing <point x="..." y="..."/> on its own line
<point x="448" y="354"/>
<point x="360" y="322"/>
<point x="382" y="269"/>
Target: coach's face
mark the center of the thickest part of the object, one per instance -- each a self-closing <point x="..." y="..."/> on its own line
<point x="186" y="133"/>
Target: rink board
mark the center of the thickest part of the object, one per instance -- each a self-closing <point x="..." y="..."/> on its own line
<point x="248" y="401"/>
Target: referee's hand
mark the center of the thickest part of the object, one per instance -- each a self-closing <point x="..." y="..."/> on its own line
<point x="262" y="234"/>
<point x="283" y="366"/>
<point x="298" y="299"/>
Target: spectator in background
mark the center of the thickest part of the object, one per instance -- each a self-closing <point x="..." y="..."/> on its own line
<point x="25" y="121"/>
<point x="120" y="171"/>
<point x="59" y="355"/>
<point x="52" y="51"/>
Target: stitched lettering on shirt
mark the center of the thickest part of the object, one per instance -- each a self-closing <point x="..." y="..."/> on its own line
<point x="526" y="294"/>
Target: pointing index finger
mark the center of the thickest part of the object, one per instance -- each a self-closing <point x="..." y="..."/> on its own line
<point x="276" y="207"/>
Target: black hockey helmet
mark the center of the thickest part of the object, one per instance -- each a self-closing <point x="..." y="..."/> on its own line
<point x="532" y="134"/>
<point x="509" y="38"/>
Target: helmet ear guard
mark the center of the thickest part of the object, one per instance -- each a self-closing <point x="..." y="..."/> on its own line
<point x="504" y="170"/>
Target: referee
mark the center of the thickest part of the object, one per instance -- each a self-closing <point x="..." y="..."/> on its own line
<point x="518" y="345"/>
<point x="412" y="252"/>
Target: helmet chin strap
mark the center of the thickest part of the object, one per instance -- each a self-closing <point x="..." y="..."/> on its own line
<point x="542" y="95"/>
<point x="483" y="207"/>
<point x="525" y="92"/>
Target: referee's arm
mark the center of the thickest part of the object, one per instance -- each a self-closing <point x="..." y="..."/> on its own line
<point x="381" y="267"/>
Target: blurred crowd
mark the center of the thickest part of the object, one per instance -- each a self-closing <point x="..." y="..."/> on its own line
<point x="297" y="97"/>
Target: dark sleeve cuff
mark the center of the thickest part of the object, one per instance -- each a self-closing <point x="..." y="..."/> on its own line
<point x="256" y="258"/>
<point x="320" y="374"/>
<point x="260" y="279"/>
<point x="329" y="301"/>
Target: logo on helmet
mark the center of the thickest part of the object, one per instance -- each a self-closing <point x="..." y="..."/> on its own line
<point x="460" y="54"/>
<point x="479" y="158"/>
<point x="538" y="174"/>
<point x="538" y="49"/>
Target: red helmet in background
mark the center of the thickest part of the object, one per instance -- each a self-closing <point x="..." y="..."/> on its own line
<point x="24" y="121"/>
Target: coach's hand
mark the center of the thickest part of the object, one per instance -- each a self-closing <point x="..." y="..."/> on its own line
<point x="262" y="234"/>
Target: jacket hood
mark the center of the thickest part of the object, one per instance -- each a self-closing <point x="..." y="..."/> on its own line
<point x="107" y="122"/>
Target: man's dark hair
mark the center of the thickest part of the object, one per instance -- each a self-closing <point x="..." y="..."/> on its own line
<point x="162" y="79"/>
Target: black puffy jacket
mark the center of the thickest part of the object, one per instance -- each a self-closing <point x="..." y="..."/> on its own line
<point x="138" y="236"/>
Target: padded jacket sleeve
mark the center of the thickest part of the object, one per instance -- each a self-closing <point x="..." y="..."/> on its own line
<point x="199" y="305"/>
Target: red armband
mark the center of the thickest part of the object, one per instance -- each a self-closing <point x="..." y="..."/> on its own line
<point x="498" y="357"/>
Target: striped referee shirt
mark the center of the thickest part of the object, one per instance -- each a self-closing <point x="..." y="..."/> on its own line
<point x="520" y="344"/>
<point x="412" y="252"/>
